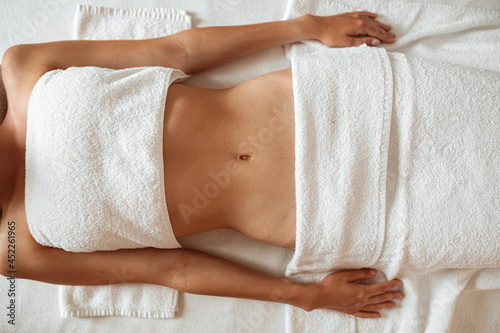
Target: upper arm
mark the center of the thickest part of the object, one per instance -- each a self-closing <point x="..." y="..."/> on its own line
<point x="51" y="265"/>
<point x="23" y="65"/>
<point x="21" y="253"/>
<point x="116" y="54"/>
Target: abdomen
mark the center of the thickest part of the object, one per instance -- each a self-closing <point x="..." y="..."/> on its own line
<point x="229" y="159"/>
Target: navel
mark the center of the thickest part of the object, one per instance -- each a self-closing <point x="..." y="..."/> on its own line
<point x="245" y="157"/>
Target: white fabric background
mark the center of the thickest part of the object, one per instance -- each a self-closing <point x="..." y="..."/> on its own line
<point x="31" y="21"/>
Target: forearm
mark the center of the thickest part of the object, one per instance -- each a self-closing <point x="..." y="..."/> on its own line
<point x="213" y="46"/>
<point x="185" y="270"/>
<point x="201" y="273"/>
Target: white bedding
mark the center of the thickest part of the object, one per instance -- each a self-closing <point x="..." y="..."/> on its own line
<point x="31" y="21"/>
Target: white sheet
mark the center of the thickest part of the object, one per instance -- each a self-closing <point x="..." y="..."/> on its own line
<point x="32" y="21"/>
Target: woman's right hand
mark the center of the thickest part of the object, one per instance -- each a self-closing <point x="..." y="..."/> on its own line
<point x="340" y="292"/>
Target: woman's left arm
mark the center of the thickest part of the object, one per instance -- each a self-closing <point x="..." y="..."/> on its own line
<point x="202" y="273"/>
<point x="199" y="49"/>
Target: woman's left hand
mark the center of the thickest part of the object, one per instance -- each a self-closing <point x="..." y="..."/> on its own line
<point x="350" y="29"/>
<point x="341" y="292"/>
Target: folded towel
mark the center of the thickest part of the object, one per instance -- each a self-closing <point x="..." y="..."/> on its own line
<point x="134" y="300"/>
<point x="94" y="23"/>
<point x="397" y="168"/>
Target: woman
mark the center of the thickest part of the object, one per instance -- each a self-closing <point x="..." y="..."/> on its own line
<point x="259" y="201"/>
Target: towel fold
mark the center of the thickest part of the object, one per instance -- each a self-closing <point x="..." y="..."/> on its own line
<point x="134" y="300"/>
<point x="127" y="299"/>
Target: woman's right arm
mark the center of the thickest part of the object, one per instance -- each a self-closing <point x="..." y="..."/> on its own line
<point x="199" y="49"/>
<point x="200" y="273"/>
<point x="192" y="50"/>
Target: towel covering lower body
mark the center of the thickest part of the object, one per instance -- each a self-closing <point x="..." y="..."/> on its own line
<point x="397" y="168"/>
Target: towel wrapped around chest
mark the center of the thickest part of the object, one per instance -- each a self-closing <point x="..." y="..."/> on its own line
<point x="94" y="159"/>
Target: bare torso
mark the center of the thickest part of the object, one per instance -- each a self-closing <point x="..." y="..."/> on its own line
<point x="228" y="161"/>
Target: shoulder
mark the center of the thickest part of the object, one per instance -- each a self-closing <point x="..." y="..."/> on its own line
<point x="20" y="72"/>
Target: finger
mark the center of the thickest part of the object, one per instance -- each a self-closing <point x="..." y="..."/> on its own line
<point x="379" y="24"/>
<point x="385" y="27"/>
<point x="368" y="14"/>
<point x="357" y="41"/>
<point x="367" y="314"/>
<point x="387" y="296"/>
<point x="373" y="17"/>
<point x="379" y="306"/>
<point x="380" y="288"/>
<point x="374" y="30"/>
<point x="357" y="274"/>
<point x="385" y="30"/>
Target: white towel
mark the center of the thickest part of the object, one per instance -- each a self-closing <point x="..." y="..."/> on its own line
<point x="431" y="293"/>
<point x="94" y="141"/>
<point x="146" y="301"/>
<point x="94" y="23"/>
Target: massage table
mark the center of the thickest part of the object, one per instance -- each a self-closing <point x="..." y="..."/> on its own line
<point x="37" y="303"/>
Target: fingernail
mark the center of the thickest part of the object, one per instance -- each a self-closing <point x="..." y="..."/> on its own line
<point x="375" y="42"/>
<point x="372" y="271"/>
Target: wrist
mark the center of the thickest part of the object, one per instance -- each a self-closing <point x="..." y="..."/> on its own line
<point x="307" y="27"/>
<point x="296" y="294"/>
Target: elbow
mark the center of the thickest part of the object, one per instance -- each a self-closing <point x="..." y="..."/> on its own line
<point x="180" y="42"/>
<point x="175" y="273"/>
<point x="185" y="64"/>
<point x="186" y="67"/>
